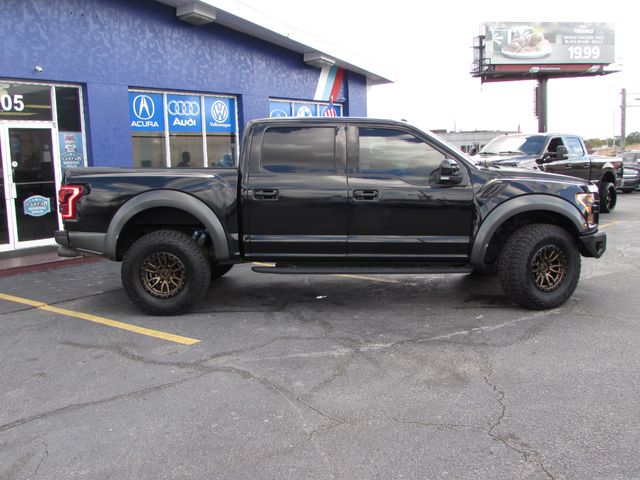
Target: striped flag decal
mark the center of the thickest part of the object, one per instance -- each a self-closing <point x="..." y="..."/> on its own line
<point x="329" y="83"/>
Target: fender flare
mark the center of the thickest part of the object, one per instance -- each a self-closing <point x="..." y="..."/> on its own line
<point x="515" y="206"/>
<point x="173" y="199"/>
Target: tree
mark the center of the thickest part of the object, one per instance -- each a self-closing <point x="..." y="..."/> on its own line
<point x="633" y="138"/>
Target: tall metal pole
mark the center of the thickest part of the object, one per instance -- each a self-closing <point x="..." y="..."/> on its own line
<point x="623" y="119"/>
<point x="541" y="100"/>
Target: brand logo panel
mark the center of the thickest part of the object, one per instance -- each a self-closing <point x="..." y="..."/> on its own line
<point x="220" y="114"/>
<point x="184" y="113"/>
<point x="146" y="111"/>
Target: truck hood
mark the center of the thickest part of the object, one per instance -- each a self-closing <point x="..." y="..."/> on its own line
<point x="507" y="160"/>
<point x="526" y="174"/>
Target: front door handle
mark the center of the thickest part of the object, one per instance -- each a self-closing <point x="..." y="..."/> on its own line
<point x="370" y="195"/>
<point x="265" y="194"/>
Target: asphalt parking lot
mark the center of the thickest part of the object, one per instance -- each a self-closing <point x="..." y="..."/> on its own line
<point x="346" y="377"/>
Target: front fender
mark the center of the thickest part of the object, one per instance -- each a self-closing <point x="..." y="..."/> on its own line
<point x="515" y="206"/>
<point x="172" y="199"/>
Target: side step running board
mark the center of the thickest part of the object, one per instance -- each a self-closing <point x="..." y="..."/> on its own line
<point x="362" y="270"/>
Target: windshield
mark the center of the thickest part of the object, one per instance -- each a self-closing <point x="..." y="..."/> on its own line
<point x="513" y="144"/>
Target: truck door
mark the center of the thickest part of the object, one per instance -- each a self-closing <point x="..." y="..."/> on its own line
<point x="576" y="164"/>
<point x="397" y="208"/>
<point x="295" y="194"/>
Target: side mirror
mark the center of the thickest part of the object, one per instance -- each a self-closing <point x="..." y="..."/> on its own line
<point x="562" y="153"/>
<point x="449" y="172"/>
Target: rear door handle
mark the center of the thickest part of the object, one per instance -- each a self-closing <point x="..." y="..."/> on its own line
<point x="370" y="195"/>
<point x="265" y="194"/>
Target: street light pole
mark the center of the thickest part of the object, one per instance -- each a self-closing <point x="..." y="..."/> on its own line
<point x="623" y="119"/>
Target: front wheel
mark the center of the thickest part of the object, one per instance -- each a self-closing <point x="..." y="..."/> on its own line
<point x="165" y="272"/>
<point x="539" y="266"/>
<point x="608" y="197"/>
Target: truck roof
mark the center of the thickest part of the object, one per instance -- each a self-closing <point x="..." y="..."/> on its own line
<point x="331" y="120"/>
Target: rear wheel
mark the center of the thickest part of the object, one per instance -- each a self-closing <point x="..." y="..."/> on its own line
<point x="539" y="266"/>
<point x="165" y="272"/>
<point x="608" y="197"/>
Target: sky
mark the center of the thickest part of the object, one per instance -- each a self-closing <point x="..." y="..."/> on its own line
<point x="428" y="48"/>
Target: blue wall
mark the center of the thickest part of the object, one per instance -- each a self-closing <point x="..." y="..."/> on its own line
<point x="112" y="45"/>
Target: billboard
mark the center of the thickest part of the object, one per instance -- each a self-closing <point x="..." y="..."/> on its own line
<point x="547" y="43"/>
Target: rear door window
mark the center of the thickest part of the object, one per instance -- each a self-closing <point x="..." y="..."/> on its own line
<point x="574" y="145"/>
<point x="299" y="150"/>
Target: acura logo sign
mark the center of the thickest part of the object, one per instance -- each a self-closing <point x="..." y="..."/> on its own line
<point x="143" y="107"/>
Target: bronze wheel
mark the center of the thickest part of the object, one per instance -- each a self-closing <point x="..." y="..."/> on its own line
<point x="548" y="268"/>
<point x="539" y="266"/>
<point x="162" y="275"/>
<point x="165" y="272"/>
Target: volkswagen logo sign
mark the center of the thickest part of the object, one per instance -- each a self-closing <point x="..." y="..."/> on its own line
<point x="143" y="107"/>
<point x="186" y="108"/>
<point x="304" y="111"/>
<point x="219" y="111"/>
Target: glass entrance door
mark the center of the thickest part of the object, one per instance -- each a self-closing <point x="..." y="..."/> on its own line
<point x="29" y="213"/>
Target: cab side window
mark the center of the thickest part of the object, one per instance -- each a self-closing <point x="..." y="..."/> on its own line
<point x="554" y="144"/>
<point x="299" y="150"/>
<point x="389" y="152"/>
<point x="574" y="145"/>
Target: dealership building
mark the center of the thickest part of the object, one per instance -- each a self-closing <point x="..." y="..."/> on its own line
<point x="147" y="84"/>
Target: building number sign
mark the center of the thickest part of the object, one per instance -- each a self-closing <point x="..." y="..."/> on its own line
<point x="12" y="103"/>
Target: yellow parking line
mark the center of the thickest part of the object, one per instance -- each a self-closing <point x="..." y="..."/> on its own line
<point x="606" y="225"/>
<point x="101" y="320"/>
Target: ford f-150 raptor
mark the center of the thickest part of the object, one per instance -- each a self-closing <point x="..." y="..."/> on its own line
<point x="332" y="195"/>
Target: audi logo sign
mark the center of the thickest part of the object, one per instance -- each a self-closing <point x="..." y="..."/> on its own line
<point x="184" y="108"/>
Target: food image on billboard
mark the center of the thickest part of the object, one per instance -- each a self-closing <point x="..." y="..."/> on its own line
<point x="549" y="43"/>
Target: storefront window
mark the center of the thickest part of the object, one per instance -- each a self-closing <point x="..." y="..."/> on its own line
<point x="200" y="130"/>
<point x="68" y="108"/>
<point x="41" y="132"/>
<point x="69" y="127"/>
<point x="292" y="108"/>
<point x="25" y="102"/>
<point x="221" y="150"/>
<point x="186" y="150"/>
<point x="148" y="150"/>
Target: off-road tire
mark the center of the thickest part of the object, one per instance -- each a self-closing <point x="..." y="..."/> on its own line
<point x="531" y="258"/>
<point x="608" y="197"/>
<point x="218" y="270"/>
<point x="165" y="272"/>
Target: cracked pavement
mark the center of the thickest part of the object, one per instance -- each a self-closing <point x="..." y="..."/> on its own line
<point x="327" y="377"/>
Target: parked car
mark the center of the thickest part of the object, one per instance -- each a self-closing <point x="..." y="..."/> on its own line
<point x="631" y="174"/>
<point x="333" y="195"/>
<point x="632" y="156"/>
<point x="556" y="153"/>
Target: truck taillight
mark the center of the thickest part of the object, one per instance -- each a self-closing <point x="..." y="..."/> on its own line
<point x="68" y="197"/>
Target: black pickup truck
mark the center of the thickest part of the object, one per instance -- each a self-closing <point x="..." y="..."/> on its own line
<point x="333" y="195"/>
<point x="556" y="153"/>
